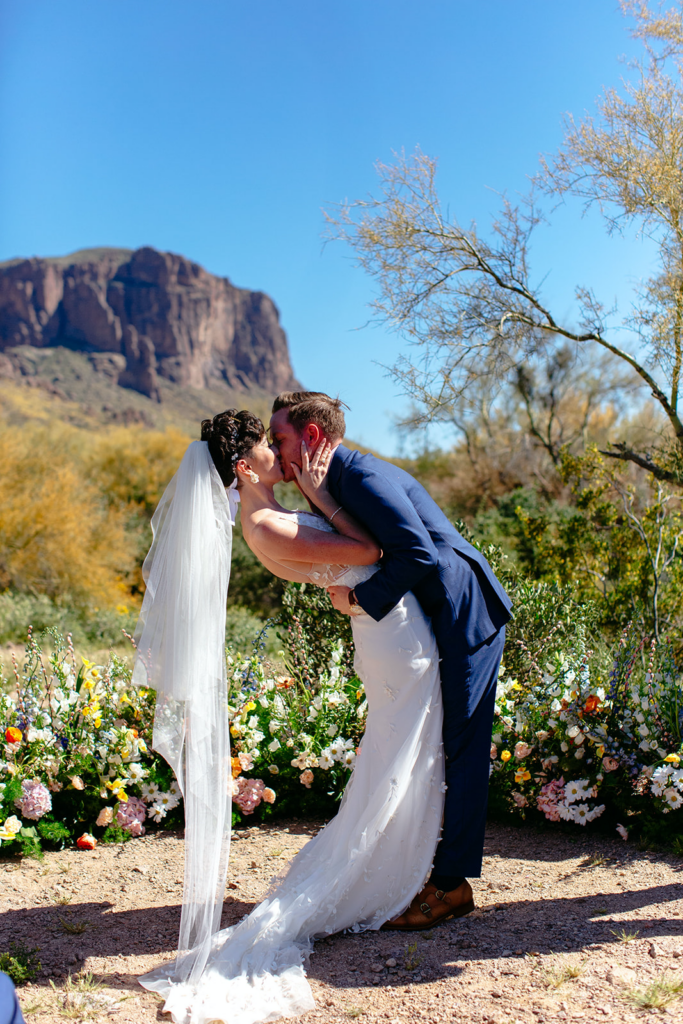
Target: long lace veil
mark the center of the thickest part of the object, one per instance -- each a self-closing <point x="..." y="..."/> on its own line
<point x="181" y="654"/>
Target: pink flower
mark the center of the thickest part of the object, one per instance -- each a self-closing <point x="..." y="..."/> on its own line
<point x="549" y="797"/>
<point x="520" y="799"/>
<point x="131" y="815"/>
<point x="35" y="800"/>
<point x="248" y="794"/>
<point x="306" y="778"/>
<point x="610" y="764"/>
<point x="246" y="762"/>
<point x="494" y="751"/>
<point x="522" y="749"/>
<point x="268" y="795"/>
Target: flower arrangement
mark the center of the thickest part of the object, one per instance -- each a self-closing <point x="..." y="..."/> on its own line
<point x="76" y="759"/>
<point x="301" y="737"/>
<point x="577" y="741"/>
<point x="579" y="737"/>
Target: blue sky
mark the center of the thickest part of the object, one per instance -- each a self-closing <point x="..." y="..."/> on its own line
<point x="220" y="129"/>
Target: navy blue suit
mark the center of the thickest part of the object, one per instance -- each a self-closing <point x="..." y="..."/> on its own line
<point x="468" y="609"/>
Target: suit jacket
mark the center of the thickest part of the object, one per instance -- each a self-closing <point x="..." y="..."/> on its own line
<point x="422" y="552"/>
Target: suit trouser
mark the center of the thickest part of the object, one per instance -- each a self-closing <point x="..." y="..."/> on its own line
<point x="468" y="683"/>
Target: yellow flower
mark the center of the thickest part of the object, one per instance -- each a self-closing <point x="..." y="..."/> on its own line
<point x="516" y="686"/>
<point x="88" y="684"/>
<point x="122" y="795"/>
<point x="522" y="776"/>
<point x="116" y="784"/>
<point x="672" y="758"/>
<point x="87" y="664"/>
<point x="600" y="751"/>
<point x="98" y="723"/>
<point x="250" y="706"/>
<point x="142" y="746"/>
<point x="505" y="755"/>
<point x="122" y="609"/>
<point x="234" y="731"/>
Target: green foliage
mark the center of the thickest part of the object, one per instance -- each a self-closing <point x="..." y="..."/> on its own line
<point x="53" y="834"/>
<point x="311" y="629"/>
<point x="95" y="627"/>
<point x="20" y="963"/>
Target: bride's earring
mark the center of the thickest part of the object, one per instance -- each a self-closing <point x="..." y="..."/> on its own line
<point x="254" y="477"/>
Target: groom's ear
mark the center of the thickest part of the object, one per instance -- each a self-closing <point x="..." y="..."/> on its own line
<point x="313" y="435"/>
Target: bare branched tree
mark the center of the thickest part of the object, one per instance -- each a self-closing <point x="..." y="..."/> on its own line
<point x="468" y="301"/>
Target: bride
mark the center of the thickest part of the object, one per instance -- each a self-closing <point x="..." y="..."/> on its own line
<point x="367" y="864"/>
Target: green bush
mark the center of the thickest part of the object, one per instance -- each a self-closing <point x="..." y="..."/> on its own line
<point x="21" y="963"/>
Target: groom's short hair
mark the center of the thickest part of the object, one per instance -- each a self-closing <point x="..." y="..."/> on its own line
<point x="313" y="407"/>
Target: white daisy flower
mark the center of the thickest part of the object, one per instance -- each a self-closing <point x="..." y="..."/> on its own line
<point x="575" y="790"/>
<point x="337" y="748"/>
<point x="325" y="760"/>
<point x="349" y="758"/>
<point x="673" y="797"/>
<point x="149" y="791"/>
<point x="136" y="773"/>
<point x="580" y="814"/>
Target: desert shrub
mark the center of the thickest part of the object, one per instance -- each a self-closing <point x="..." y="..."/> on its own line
<point x="20" y="963"/>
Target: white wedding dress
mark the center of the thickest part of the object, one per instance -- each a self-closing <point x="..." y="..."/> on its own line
<point x="366" y="865"/>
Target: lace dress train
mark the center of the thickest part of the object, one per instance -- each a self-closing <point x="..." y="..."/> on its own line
<point x="365" y="865"/>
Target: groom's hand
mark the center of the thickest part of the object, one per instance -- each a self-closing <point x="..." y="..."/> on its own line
<point x="339" y="596"/>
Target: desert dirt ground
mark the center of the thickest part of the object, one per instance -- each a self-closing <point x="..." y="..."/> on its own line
<point x="567" y="927"/>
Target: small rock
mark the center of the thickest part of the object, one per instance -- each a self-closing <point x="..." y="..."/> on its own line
<point x="654" y="951"/>
<point x="507" y="952"/>
<point x="677" y="953"/>
<point x="621" y="976"/>
<point x="142" y="869"/>
<point x="390" y="962"/>
<point x="496" y="993"/>
<point x="376" y="968"/>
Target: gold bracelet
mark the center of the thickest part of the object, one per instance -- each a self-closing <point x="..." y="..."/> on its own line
<point x="330" y="518"/>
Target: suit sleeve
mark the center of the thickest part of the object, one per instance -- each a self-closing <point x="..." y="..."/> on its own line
<point x="408" y="550"/>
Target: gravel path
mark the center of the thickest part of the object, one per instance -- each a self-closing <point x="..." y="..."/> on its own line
<point x="567" y="928"/>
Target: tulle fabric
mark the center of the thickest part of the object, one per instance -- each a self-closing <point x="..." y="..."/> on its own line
<point x="365" y="865"/>
<point x="181" y="654"/>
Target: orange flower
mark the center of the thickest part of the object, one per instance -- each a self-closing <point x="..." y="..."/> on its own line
<point x="285" y="683"/>
<point x="522" y="775"/>
<point x="13" y="735"/>
<point x="592" y="704"/>
<point x="86" y="842"/>
<point x="236" y="766"/>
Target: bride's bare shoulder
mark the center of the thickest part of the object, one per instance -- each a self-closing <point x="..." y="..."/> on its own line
<point x="272" y="521"/>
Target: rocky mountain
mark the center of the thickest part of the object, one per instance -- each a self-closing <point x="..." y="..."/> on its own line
<point x="149" y="321"/>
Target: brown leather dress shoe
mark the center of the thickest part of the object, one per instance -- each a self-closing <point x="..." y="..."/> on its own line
<point x="432" y="906"/>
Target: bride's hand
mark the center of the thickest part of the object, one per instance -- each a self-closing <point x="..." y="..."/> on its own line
<point x="312" y="477"/>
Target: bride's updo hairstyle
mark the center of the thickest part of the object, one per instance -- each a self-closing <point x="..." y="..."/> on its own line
<point x="231" y="435"/>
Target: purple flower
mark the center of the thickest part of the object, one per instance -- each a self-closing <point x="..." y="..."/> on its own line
<point x="35" y="800"/>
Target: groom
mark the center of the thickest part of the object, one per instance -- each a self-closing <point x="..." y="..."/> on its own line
<point x="468" y="609"/>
